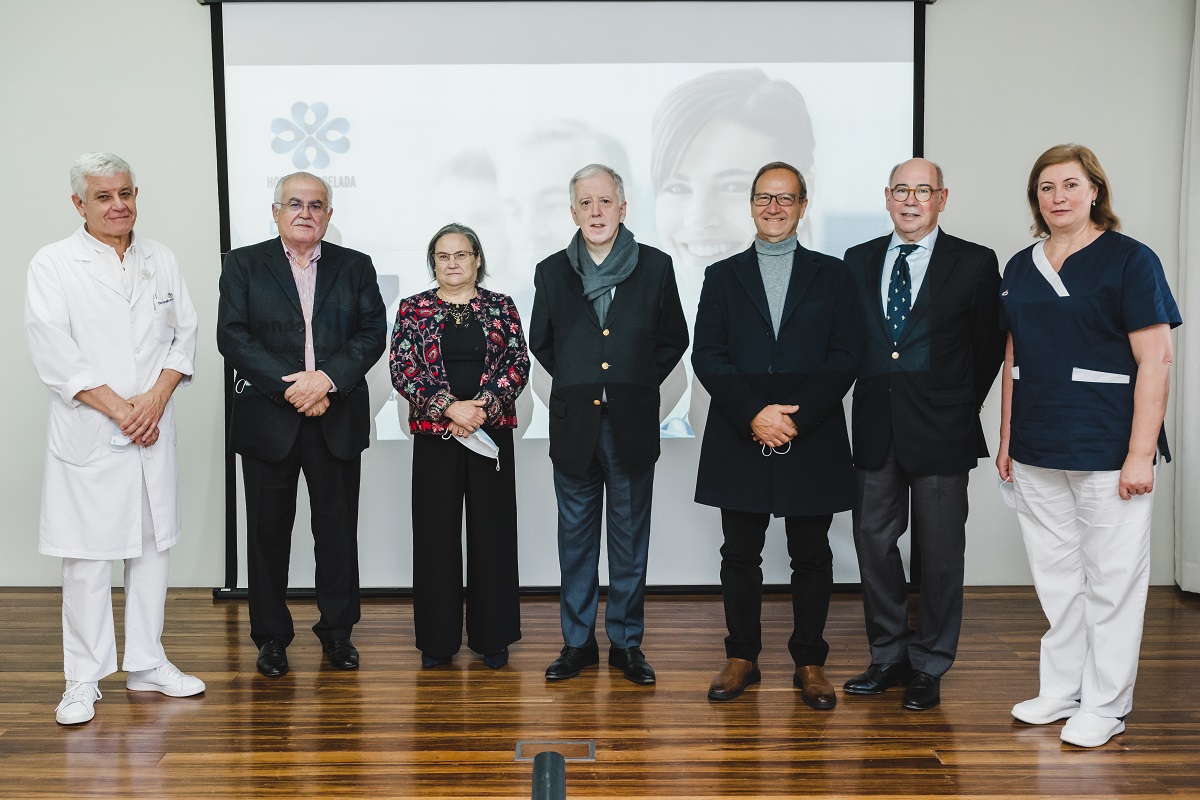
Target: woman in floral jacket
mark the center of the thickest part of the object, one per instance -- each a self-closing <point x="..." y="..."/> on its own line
<point x="458" y="356"/>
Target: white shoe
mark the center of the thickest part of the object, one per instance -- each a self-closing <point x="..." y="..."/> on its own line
<point x="166" y="679"/>
<point x="78" y="703"/>
<point x="1043" y="710"/>
<point x="1090" y="730"/>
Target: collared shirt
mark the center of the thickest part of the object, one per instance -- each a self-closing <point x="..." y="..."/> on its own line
<point x="123" y="270"/>
<point x="306" y="286"/>
<point x="918" y="265"/>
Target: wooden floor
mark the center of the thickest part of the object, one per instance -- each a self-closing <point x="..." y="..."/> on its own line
<point x="392" y="730"/>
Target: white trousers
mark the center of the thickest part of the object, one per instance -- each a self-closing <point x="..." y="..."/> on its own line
<point x="1089" y="551"/>
<point x="89" y="640"/>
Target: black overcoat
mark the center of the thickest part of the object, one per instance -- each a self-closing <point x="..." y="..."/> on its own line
<point x="745" y="367"/>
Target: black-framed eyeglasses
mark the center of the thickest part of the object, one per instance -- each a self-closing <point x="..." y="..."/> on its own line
<point x="461" y="257"/>
<point x="922" y="192"/>
<point x="316" y="208"/>
<point x="763" y="199"/>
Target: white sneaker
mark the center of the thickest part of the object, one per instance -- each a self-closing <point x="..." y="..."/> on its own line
<point x="1090" y="730"/>
<point x="166" y="679"/>
<point x="78" y="703"/>
<point x="1043" y="710"/>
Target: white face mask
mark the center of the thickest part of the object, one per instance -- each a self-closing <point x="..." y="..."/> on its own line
<point x="1007" y="492"/>
<point x="478" y="442"/>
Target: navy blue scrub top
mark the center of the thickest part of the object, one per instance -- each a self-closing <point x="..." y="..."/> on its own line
<point x="1073" y="368"/>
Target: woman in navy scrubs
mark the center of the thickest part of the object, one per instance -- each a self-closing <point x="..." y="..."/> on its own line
<point x="1089" y="314"/>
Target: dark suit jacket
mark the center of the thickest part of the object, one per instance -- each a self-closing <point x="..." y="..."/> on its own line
<point x="260" y="331"/>
<point x="641" y="341"/>
<point x="927" y="399"/>
<point x="745" y="368"/>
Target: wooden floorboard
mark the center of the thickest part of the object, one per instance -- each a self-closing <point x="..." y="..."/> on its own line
<point x="392" y="730"/>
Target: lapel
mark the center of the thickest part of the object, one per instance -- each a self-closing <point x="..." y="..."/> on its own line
<point x="874" y="258"/>
<point x="86" y="255"/>
<point x="144" y="277"/>
<point x="745" y="269"/>
<point x="279" y="268"/>
<point x="575" y="289"/>
<point x="804" y="271"/>
<point x="328" y="268"/>
<point x="941" y="264"/>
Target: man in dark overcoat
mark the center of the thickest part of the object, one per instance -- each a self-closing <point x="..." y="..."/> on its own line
<point x="777" y="343"/>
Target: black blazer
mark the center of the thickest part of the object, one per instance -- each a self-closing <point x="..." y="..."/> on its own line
<point x="745" y="368"/>
<point x="642" y="339"/>
<point x="260" y="331"/>
<point x="927" y="398"/>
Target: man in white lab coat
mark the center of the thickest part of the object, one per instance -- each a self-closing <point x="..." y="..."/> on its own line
<point x="112" y="333"/>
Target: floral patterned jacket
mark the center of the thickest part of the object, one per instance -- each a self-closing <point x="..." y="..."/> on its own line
<point x="419" y="375"/>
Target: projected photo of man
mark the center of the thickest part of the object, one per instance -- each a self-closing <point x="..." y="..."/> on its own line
<point x="709" y="136"/>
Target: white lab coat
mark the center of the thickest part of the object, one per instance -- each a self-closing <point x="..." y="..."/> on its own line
<point x="84" y="331"/>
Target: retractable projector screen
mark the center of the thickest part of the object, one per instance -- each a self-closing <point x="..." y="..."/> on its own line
<point x="419" y="114"/>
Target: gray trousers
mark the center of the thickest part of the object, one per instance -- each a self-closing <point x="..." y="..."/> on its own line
<point x="939" y="515"/>
<point x="624" y="498"/>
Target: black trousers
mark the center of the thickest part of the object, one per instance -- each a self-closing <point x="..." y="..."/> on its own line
<point x="270" y="513"/>
<point x="741" y="583"/>
<point x="444" y="474"/>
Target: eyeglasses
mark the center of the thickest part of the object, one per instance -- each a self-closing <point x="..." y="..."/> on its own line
<point x="460" y="257"/>
<point x="922" y="192"/>
<point x="316" y="208"/>
<point x="782" y="199"/>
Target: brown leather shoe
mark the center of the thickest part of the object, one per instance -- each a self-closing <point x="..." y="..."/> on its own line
<point x="815" y="689"/>
<point x="732" y="680"/>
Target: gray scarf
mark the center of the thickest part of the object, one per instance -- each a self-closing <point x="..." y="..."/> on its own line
<point x="599" y="279"/>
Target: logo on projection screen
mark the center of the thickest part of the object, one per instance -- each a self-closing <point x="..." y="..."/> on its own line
<point x="310" y="135"/>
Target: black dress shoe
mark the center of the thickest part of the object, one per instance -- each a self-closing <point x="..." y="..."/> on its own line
<point x="272" y="659"/>
<point x="923" y="692"/>
<point x="342" y="654"/>
<point x="570" y="661"/>
<point x="878" y="678"/>
<point x="631" y="662"/>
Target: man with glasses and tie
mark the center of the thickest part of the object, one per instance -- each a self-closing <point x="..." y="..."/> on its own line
<point x="301" y="320"/>
<point x="930" y="302"/>
<point x="778" y="341"/>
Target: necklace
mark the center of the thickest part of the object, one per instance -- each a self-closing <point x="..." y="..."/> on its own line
<point x="459" y="312"/>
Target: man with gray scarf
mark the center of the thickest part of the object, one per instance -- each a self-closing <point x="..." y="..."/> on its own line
<point x="608" y="326"/>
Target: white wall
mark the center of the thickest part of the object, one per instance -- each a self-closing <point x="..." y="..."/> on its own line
<point x="133" y="77"/>
<point x="1006" y="79"/>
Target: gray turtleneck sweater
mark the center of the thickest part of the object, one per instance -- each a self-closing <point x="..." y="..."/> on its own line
<point x="775" y="265"/>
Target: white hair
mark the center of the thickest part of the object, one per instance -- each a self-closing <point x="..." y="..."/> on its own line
<point x="598" y="169"/>
<point x="97" y="165"/>
<point x="286" y="178"/>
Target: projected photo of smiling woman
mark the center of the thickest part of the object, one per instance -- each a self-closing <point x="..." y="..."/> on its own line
<point x="709" y="136"/>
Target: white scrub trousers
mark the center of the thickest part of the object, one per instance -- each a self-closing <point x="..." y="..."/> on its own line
<point x="1089" y="551"/>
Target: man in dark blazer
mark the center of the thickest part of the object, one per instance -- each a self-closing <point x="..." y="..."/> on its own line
<point x="608" y="326"/>
<point x="934" y="346"/>
<point x="301" y="320"/>
<point x="778" y="341"/>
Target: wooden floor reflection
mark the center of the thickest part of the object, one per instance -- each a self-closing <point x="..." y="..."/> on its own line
<point x="392" y="730"/>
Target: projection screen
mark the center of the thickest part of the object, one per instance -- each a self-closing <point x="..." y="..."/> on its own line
<point x="420" y="114"/>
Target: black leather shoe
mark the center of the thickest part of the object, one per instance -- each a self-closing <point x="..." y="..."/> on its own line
<point x="570" y="661"/>
<point x="631" y="662"/>
<point x="272" y="659"/>
<point x="878" y="678"/>
<point x="342" y="654"/>
<point x="923" y="692"/>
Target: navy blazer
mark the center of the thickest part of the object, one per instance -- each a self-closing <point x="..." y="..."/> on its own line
<point x="924" y="394"/>
<point x="260" y="331"/>
<point x="745" y="367"/>
<point x="642" y="339"/>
